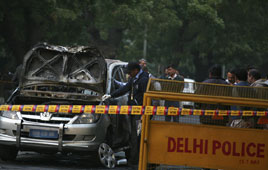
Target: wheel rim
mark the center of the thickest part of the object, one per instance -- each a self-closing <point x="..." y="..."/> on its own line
<point x="106" y="155"/>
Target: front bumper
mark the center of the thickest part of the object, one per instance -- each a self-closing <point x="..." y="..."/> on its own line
<point x="88" y="137"/>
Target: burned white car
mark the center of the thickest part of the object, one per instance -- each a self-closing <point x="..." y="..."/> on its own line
<point x="55" y="75"/>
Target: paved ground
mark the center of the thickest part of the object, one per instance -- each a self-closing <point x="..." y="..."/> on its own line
<point x="36" y="161"/>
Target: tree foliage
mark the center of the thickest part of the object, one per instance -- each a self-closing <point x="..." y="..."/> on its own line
<point x="192" y="34"/>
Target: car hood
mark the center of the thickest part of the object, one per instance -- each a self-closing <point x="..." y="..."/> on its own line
<point x="58" y="67"/>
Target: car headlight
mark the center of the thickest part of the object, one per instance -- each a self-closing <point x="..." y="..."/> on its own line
<point x="87" y="119"/>
<point x="9" y="114"/>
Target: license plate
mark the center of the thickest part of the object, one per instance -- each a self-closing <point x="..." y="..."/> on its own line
<point x="46" y="134"/>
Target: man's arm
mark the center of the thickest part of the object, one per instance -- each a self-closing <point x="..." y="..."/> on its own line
<point x="122" y="90"/>
<point x="119" y="83"/>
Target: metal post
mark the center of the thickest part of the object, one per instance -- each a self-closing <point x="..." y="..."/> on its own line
<point x="144" y="135"/>
<point x="18" y="134"/>
<point x="60" y="143"/>
<point x="145" y="42"/>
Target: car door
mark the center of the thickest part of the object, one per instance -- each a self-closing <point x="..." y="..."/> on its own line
<point x="121" y="129"/>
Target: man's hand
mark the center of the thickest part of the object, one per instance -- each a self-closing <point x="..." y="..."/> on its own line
<point x="105" y="97"/>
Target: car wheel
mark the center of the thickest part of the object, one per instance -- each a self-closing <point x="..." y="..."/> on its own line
<point x="8" y="153"/>
<point x="106" y="156"/>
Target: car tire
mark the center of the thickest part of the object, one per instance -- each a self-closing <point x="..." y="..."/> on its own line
<point x="106" y="156"/>
<point x="8" y="153"/>
<point x="105" y="152"/>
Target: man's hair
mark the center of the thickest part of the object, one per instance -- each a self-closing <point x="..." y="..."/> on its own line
<point x="241" y="74"/>
<point x="172" y="66"/>
<point x="232" y="71"/>
<point x="255" y="74"/>
<point x="142" y="60"/>
<point x="250" y="67"/>
<point x="215" y="70"/>
<point x="132" y="66"/>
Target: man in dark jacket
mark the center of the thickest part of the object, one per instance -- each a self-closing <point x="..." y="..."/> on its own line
<point x="214" y="78"/>
<point x="241" y="76"/>
<point x="172" y="75"/>
<point x="136" y="87"/>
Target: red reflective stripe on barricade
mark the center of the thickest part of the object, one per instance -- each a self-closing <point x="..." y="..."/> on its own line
<point x="254" y="113"/>
<point x="129" y="109"/>
<point x="34" y="108"/>
<point x="82" y="109"/>
<point x="106" y="109"/>
<point x="117" y="110"/>
<point x="21" y="107"/>
<point x="70" y="109"/>
<point x="179" y="111"/>
<point x="165" y="111"/>
<point x="57" y="109"/>
<point x="46" y="108"/>
<point x="93" y="109"/>
<point x="154" y="110"/>
<point x="9" y="107"/>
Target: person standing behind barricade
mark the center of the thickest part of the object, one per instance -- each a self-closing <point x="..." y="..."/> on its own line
<point x="215" y="73"/>
<point x="165" y="74"/>
<point x="241" y="76"/>
<point x="143" y="64"/>
<point x="254" y="79"/>
<point x="230" y="77"/>
<point x="172" y="75"/>
<point x="136" y="87"/>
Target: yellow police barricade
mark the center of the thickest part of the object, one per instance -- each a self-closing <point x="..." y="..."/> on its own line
<point x="206" y="146"/>
<point x="181" y="144"/>
<point x="186" y="144"/>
